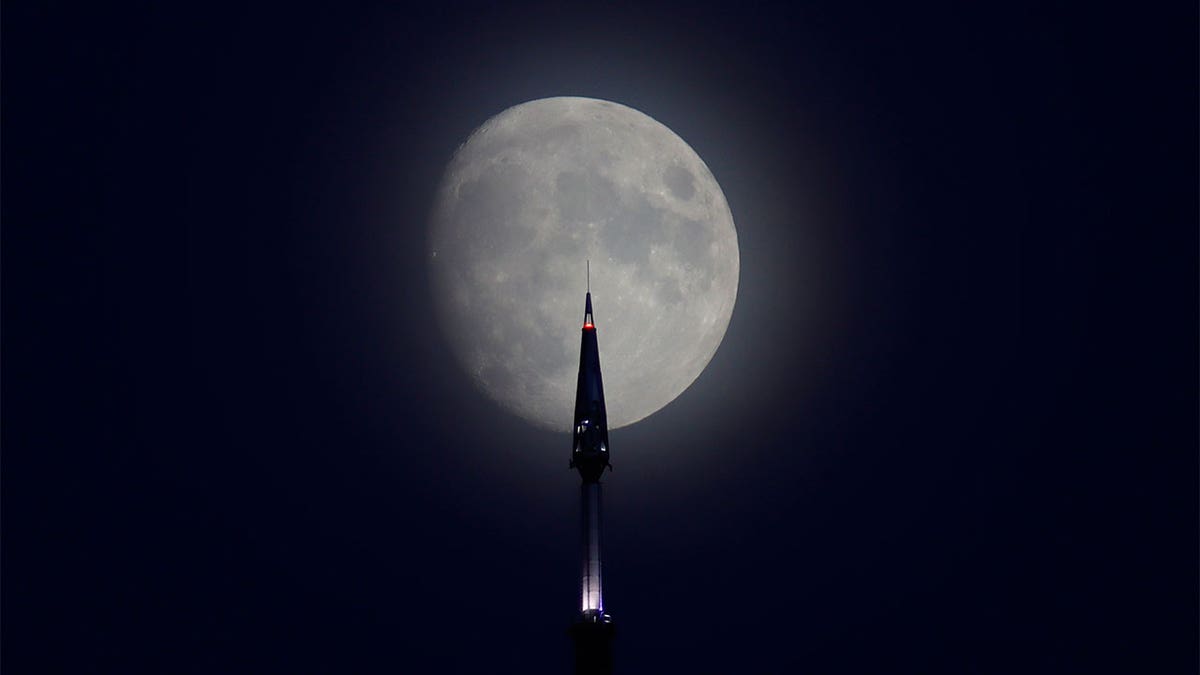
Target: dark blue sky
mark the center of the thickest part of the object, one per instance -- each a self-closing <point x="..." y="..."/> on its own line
<point x="952" y="427"/>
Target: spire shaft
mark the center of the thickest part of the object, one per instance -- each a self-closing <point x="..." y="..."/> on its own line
<point x="591" y="588"/>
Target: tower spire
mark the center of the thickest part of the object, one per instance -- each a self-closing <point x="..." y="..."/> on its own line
<point x="593" y="631"/>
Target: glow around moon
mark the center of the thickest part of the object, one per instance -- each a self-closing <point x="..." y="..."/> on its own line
<point x="535" y="192"/>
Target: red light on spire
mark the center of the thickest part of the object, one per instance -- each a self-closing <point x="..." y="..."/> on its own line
<point x="588" y="326"/>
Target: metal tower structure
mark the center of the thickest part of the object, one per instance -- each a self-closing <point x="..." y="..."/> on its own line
<point x="593" y="629"/>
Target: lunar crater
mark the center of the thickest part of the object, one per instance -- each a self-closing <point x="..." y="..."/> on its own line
<point x="680" y="182"/>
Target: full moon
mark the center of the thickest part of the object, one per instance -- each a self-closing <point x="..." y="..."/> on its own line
<point x="538" y="190"/>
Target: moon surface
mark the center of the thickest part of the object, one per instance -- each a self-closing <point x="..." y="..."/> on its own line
<point x="538" y="190"/>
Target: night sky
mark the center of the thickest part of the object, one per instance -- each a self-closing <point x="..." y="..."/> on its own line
<point x="952" y="427"/>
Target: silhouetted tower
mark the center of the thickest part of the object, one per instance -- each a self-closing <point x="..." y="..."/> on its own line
<point x="593" y="630"/>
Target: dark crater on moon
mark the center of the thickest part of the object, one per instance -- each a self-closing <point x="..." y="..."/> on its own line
<point x="493" y="197"/>
<point x="680" y="182"/>
<point x="668" y="291"/>
<point x="634" y="229"/>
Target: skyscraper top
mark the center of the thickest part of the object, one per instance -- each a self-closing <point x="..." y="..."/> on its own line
<point x="589" y="452"/>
